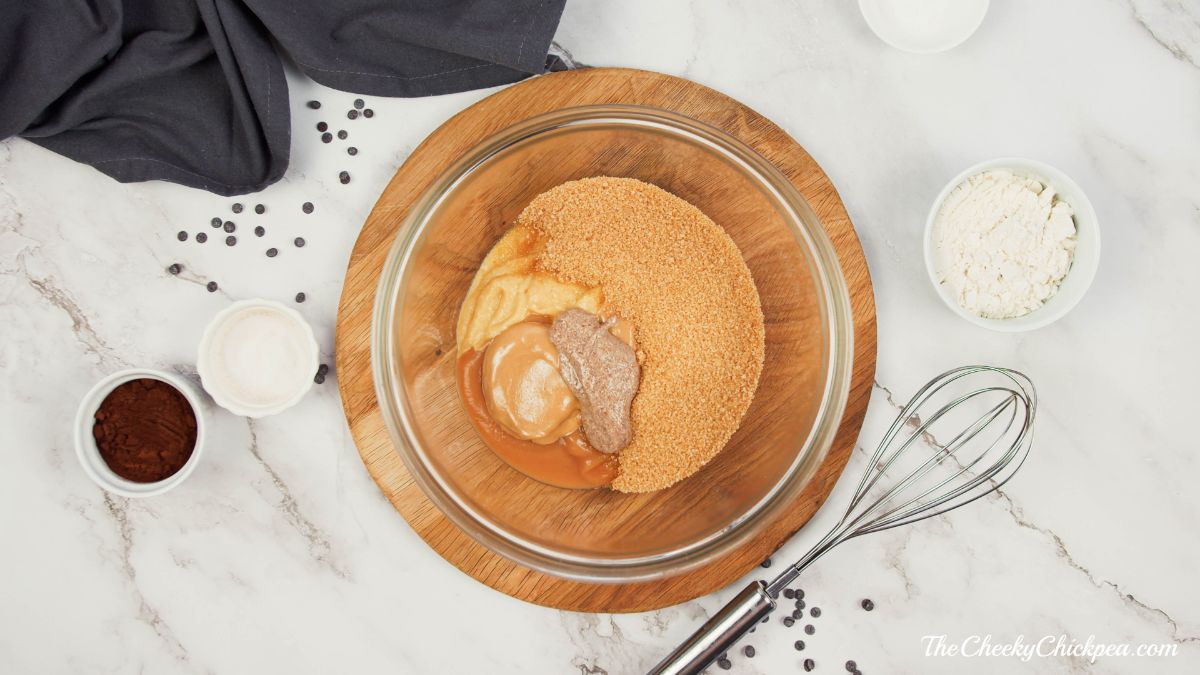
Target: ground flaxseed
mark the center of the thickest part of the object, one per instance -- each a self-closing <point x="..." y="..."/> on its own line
<point x="678" y="277"/>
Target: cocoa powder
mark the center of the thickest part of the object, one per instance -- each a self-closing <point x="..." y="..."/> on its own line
<point x="145" y="430"/>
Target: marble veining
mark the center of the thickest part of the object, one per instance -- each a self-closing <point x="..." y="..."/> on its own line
<point x="281" y="555"/>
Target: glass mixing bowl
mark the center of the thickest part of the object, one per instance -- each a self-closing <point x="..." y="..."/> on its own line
<point x="601" y="535"/>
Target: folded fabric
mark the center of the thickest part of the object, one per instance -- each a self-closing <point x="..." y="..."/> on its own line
<point x="193" y="91"/>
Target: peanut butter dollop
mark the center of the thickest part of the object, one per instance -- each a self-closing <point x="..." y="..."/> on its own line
<point x="522" y="386"/>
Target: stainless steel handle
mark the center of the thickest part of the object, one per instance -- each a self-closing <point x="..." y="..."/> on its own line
<point x="720" y="633"/>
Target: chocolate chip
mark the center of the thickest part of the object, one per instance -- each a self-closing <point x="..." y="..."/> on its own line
<point x="212" y="287"/>
<point x="326" y="137"/>
<point x="319" y="378"/>
<point x="764" y="619"/>
<point x="272" y="252"/>
<point x="724" y="664"/>
<point x="323" y="368"/>
<point x="352" y="114"/>
<point x="789" y="621"/>
<point x="868" y="605"/>
<point x="815" y="612"/>
<point x="182" y="236"/>
<point x="216" y="222"/>
<point x="344" y="177"/>
<point x="800" y="604"/>
<point x="174" y="268"/>
<point x="359" y="103"/>
<point x="307" y="207"/>
<point x="260" y="231"/>
<point x="237" y="208"/>
<point x="851" y="666"/>
<point x="799" y="645"/>
<point x="766" y="563"/>
<point x="342" y="135"/>
<point x="299" y="242"/>
<point x="809" y="664"/>
<point x="809" y="629"/>
<point x="201" y="237"/>
<point x="352" y="151"/>
<point x="230" y="240"/>
<point x="368" y="113"/>
<point x="300" y="297"/>
<point x="799" y="593"/>
<point x="321" y="126"/>
<point x="798" y="614"/>
<point x="748" y="650"/>
<point x="230" y="226"/>
<point x="315" y="105"/>
<point x="789" y="593"/>
<point x="260" y="209"/>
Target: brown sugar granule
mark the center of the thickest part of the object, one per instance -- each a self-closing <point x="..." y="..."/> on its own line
<point x="681" y="281"/>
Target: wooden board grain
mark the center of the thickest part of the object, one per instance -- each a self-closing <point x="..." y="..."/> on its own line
<point x="459" y="134"/>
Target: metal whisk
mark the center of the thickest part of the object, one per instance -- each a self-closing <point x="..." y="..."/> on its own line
<point x="944" y="450"/>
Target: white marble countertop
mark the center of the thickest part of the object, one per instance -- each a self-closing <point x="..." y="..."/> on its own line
<point x="280" y="554"/>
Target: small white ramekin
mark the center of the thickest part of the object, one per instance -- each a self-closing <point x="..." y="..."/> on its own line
<point x="223" y="398"/>
<point x="89" y="454"/>
<point x="1087" y="248"/>
<point x="947" y="28"/>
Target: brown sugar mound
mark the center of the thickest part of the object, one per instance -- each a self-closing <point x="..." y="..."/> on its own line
<point x="681" y="281"/>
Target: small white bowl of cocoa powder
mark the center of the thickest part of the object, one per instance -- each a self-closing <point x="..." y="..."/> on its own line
<point x="140" y="432"/>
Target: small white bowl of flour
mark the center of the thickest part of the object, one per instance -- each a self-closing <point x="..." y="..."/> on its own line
<point x="1012" y="244"/>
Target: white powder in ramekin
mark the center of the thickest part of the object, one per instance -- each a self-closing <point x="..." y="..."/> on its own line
<point x="1003" y="244"/>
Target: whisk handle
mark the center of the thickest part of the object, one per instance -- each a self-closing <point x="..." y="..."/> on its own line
<point x="720" y="633"/>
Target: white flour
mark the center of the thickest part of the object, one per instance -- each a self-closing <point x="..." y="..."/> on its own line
<point x="1003" y="244"/>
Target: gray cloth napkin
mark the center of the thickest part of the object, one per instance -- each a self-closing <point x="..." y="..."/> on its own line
<point x="193" y="92"/>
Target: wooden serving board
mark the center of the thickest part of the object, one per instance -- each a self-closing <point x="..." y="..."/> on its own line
<point x="463" y="131"/>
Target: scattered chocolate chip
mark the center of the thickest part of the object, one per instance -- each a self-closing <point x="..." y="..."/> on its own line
<point x="799" y="645"/>
<point x="789" y="621"/>
<point x="352" y="114"/>
<point x="799" y="593"/>
<point x="789" y="593"/>
<point x="230" y="240"/>
<point x="237" y="207"/>
<point x="809" y="664"/>
<point x="766" y="563"/>
<point x="182" y="236"/>
<point x="868" y="605"/>
<point x="216" y="222"/>
<point x="300" y="297"/>
<point x="326" y="137"/>
<point x="800" y="604"/>
<point x="315" y="105"/>
<point x="319" y="378"/>
<point x="724" y="664"/>
<point x="764" y="619"/>
<point x="342" y="134"/>
<point x="748" y="651"/>
<point x="174" y="268"/>
<point x="260" y="231"/>
<point x="809" y="629"/>
<point x="272" y="252"/>
<point x="260" y="209"/>
<point x="321" y="126"/>
<point x="815" y="612"/>
<point x="359" y="103"/>
<point x="352" y="151"/>
<point x="307" y="207"/>
<point x="851" y="666"/>
<point x="230" y="226"/>
<point x="299" y="242"/>
<point x="344" y="177"/>
<point x="323" y="368"/>
<point x="798" y="614"/>
<point x="201" y="237"/>
<point x="212" y="287"/>
<point x="368" y="113"/>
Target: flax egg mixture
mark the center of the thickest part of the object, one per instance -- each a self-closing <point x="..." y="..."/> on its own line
<point x="612" y="337"/>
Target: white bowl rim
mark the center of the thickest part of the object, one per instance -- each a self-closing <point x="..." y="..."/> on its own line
<point x="1084" y="269"/>
<point x="89" y="455"/>
<point x="868" y="13"/>
<point x="236" y="407"/>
